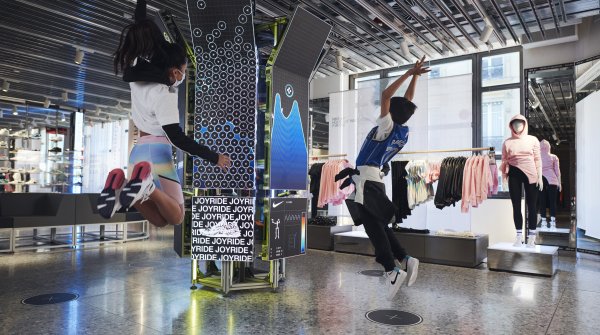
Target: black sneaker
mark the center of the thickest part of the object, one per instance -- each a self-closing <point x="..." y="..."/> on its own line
<point x="108" y="202"/>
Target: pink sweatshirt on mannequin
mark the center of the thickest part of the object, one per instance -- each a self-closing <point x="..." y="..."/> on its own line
<point x="522" y="151"/>
<point x="550" y="164"/>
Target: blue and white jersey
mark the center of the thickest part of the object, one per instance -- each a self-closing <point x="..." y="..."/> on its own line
<point x="377" y="153"/>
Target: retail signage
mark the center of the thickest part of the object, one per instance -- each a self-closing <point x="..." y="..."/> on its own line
<point x="289" y="75"/>
<point x="287" y="227"/>
<point x="223" y="228"/>
<point x="225" y="97"/>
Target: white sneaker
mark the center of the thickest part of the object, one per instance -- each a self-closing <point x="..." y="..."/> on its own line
<point x="544" y="224"/>
<point x="139" y="187"/>
<point x="518" y="241"/>
<point x="412" y="270"/>
<point x="531" y="240"/>
<point x="552" y="223"/>
<point x="393" y="281"/>
<point x="222" y="229"/>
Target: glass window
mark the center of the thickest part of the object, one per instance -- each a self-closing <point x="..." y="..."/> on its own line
<point x="367" y="81"/>
<point x="500" y="69"/>
<point x="444" y="70"/>
<point x="497" y="108"/>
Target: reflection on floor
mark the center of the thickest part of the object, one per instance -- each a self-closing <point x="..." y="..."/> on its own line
<point x="143" y="288"/>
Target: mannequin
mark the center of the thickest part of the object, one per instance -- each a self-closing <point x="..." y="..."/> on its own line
<point x="552" y="184"/>
<point x="521" y="164"/>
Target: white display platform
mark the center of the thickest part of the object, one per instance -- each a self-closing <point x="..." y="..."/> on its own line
<point x="356" y="233"/>
<point x="539" y="260"/>
<point x="555" y="230"/>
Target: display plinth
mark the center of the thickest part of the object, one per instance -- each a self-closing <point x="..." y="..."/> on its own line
<point x="354" y="242"/>
<point x="558" y="237"/>
<point x="538" y="260"/>
<point x="428" y="248"/>
<point x="321" y="237"/>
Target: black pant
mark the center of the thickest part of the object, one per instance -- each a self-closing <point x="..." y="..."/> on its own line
<point x="548" y="199"/>
<point x="516" y="181"/>
<point x="387" y="247"/>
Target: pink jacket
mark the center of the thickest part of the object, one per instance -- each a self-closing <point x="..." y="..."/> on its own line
<point x="329" y="192"/>
<point x="478" y="182"/>
<point x="550" y="164"/>
<point x="522" y="151"/>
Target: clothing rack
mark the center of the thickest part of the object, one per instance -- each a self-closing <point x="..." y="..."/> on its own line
<point x="491" y="149"/>
<point x="327" y="156"/>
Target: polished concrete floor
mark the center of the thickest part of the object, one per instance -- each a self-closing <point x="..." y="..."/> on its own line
<point x="143" y="288"/>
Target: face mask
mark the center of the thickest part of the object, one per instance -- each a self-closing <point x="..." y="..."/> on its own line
<point x="178" y="82"/>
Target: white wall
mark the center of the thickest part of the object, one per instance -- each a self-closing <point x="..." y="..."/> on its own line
<point x="588" y="160"/>
<point x="321" y="87"/>
<point x="494" y="217"/>
<point x="588" y="45"/>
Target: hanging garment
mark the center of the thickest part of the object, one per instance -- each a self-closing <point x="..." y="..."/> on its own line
<point x="400" y="190"/>
<point x="330" y="192"/>
<point x="418" y="192"/>
<point x="494" y="177"/>
<point x="315" y="185"/>
<point x="449" y="189"/>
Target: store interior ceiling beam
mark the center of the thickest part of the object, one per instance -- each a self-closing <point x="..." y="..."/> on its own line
<point x="443" y="26"/>
<point x="549" y="107"/>
<point x="505" y="21"/>
<point x="385" y="58"/>
<point x="442" y="39"/>
<point x="563" y="10"/>
<point x="400" y="19"/>
<point x="523" y="23"/>
<point x="365" y="17"/>
<point x="383" y="17"/>
<point x="481" y="10"/>
<point x="366" y="27"/>
<point x="554" y="16"/>
<point x="537" y="18"/>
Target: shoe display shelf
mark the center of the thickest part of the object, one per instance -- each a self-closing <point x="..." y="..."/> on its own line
<point x="20" y="158"/>
<point x="320" y="236"/>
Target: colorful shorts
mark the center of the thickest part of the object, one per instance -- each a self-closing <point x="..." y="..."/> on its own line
<point x="157" y="150"/>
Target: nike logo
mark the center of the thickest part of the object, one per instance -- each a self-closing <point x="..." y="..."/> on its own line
<point x="394" y="281"/>
<point x="277" y="205"/>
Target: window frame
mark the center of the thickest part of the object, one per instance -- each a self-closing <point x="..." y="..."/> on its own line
<point x="478" y="89"/>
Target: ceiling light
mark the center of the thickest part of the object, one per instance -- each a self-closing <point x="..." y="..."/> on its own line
<point x="554" y="137"/>
<point x="98" y="111"/>
<point x="339" y="61"/>
<point x="65" y="96"/>
<point x="15" y="110"/>
<point x="487" y="33"/>
<point x="63" y="118"/>
<point x="5" y="86"/>
<point x="46" y="103"/>
<point x="404" y="48"/>
<point x="79" y="56"/>
<point x="119" y="107"/>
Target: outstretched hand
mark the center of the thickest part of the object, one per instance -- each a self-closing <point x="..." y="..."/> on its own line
<point x="419" y="69"/>
<point x="224" y="162"/>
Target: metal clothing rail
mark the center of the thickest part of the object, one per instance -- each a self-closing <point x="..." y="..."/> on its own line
<point x="327" y="156"/>
<point x="445" y="150"/>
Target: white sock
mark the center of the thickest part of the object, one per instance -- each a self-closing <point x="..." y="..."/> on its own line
<point x="519" y="232"/>
<point x="532" y="232"/>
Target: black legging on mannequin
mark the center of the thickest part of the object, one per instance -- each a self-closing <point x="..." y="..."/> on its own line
<point x="548" y="199"/>
<point x="517" y="180"/>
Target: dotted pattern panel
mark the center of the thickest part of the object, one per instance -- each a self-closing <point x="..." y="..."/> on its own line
<point x="225" y="112"/>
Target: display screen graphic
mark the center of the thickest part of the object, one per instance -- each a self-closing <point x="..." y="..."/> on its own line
<point x="287" y="227"/>
<point x="295" y="60"/>
<point x="225" y="112"/>
<point x="223" y="228"/>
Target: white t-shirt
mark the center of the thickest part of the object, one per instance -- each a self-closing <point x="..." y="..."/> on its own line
<point x="153" y="106"/>
<point x="385" y="126"/>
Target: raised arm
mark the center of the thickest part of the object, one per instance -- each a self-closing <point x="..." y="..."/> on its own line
<point x="389" y="92"/>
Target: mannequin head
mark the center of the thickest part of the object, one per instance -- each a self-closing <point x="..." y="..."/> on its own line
<point x="401" y="109"/>
<point x="517" y="126"/>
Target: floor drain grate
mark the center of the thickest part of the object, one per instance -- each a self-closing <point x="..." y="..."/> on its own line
<point x="49" y="299"/>
<point x="392" y="317"/>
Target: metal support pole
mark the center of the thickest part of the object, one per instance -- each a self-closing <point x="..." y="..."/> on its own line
<point x="102" y="231"/>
